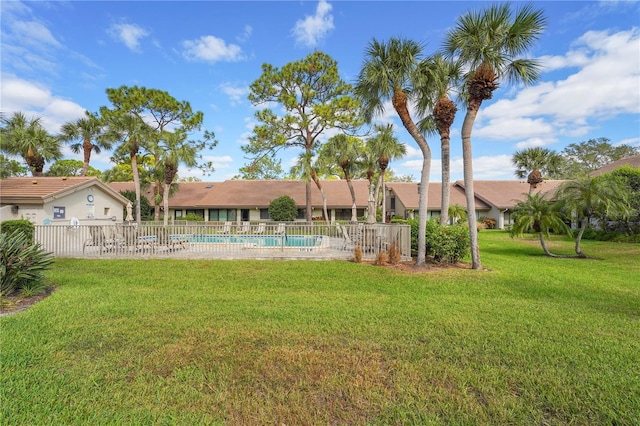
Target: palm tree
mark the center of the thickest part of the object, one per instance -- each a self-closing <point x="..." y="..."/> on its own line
<point x="29" y="139"/>
<point x="438" y="77"/>
<point x="389" y="72"/>
<point x="133" y="135"/>
<point x="344" y="151"/>
<point x="490" y="44"/>
<point x="457" y="213"/>
<point x="175" y="150"/>
<point x="385" y="147"/>
<point x="588" y="197"/>
<point x="539" y="215"/>
<point x="305" y="169"/>
<point x="536" y="163"/>
<point x="87" y="129"/>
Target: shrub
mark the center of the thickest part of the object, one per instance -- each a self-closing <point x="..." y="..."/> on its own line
<point x="283" y="209"/>
<point x="489" y="223"/>
<point x="394" y="253"/>
<point x="22" y="225"/>
<point x="357" y="254"/>
<point x="447" y="243"/>
<point x="192" y="217"/>
<point x="381" y="258"/>
<point x="22" y="264"/>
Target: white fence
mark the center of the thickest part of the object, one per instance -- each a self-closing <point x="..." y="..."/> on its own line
<point x="225" y="240"/>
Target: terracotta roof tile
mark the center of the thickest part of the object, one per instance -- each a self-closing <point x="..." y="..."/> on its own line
<point x="407" y="193"/>
<point x="633" y="161"/>
<point x="506" y="193"/>
<point x="258" y="193"/>
<point x="35" y="190"/>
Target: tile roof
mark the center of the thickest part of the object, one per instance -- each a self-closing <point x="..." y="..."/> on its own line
<point x="37" y="190"/>
<point x="633" y="161"/>
<point x="407" y="193"/>
<point x="506" y="193"/>
<point x="258" y="193"/>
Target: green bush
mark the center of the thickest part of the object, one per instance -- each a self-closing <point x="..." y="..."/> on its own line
<point x="444" y="243"/>
<point x="22" y="264"/>
<point x="447" y="243"/>
<point x="192" y="217"/>
<point x="283" y="209"/>
<point x="414" y="231"/>
<point x="22" y="225"/>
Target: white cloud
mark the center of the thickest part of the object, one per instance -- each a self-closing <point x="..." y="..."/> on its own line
<point x="34" y="33"/>
<point x="510" y="128"/>
<point x="219" y="162"/>
<point x="236" y="94"/>
<point x="310" y="30"/>
<point x="493" y="167"/>
<point x="606" y="85"/>
<point x="246" y="34"/>
<point x="533" y="143"/>
<point x="490" y="167"/>
<point x="129" y="34"/>
<point x="211" y="49"/>
<point x="35" y="100"/>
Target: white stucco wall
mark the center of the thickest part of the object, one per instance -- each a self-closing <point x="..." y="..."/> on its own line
<point x="103" y="209"/>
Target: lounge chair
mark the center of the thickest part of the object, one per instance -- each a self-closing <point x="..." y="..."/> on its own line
<point x="282" y="229"/>
<point x="226" y="229"/>
<point x="104" y="238"/>
<point x="246" y="227"/>
<point x="261" y="228"/>
<point x="96" y="239"/>
<point x="348" y="242"/>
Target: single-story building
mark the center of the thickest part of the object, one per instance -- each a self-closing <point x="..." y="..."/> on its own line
<point x="248" y="200"/>
<point x="494" y="198"/>
<point x="60" y="200"/>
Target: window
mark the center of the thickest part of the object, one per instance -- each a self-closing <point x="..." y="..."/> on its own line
<point x="392" y="202"/>
<point x="345" y="214"/>
<point x="264" y="214"/>
<point x="302" y="214"/>
<point x="177" y="214"/>
<point x="222" y="215"/>
<point x="107" y="211"/>
<point x="59" y="212"/>
<point x="507" y="218"/>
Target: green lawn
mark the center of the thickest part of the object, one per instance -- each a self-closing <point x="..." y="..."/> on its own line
<point x="532" y="340"/>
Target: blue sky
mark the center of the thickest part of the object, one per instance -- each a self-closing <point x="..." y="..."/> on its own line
<point x="59" y="57"/>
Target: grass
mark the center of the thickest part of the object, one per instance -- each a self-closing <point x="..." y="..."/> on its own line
<point x="532" y="340"/>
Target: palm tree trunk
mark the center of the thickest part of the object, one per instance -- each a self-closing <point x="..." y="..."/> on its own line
<point x="384" y="198"/>
<point x="446" y="178"/>
<point x="86" y="148"/>
<point x="544" y="246"/>
<point x="354" y="209"/>
<point x="467" y="159"/>
<point x="583" y="227"/>
<point x="399" y="101"/>
<point x="165" y="203"/>
<point x="316" y="180"/>
<point x="136" y="183"/>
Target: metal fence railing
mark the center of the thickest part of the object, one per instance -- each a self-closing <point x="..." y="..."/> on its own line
<point x="224" y="240"/>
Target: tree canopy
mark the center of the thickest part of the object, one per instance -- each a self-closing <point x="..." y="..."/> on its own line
<point x="311" y="98"/>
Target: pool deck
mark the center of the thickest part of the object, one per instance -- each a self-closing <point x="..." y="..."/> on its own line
<point x="333" y="249"/>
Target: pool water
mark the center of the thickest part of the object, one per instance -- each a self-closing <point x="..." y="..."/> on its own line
<point x="261" y="240"/>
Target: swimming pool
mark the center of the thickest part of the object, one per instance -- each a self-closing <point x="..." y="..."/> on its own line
<point x="261" y="240"/>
